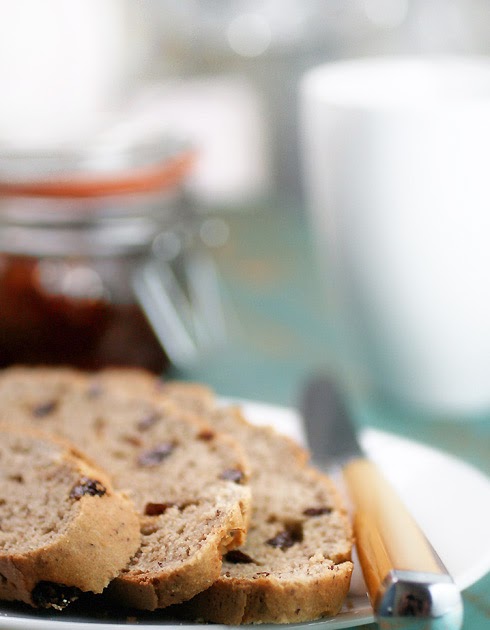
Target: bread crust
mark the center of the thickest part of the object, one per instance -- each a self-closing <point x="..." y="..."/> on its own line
<point x="271" y="600"/>
<point x="302" y="583"/>
<point x="120" y="417"/>
<point x="98" y="542"/>
<point x="271" y="583"/>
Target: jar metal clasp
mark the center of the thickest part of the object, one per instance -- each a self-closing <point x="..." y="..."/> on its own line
<point x="178" y="290"/>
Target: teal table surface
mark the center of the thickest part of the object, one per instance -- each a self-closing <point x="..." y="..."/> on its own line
<point x="278" y="335"/>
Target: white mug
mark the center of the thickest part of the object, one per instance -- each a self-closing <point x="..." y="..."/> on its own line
<point x="396" y="158"/>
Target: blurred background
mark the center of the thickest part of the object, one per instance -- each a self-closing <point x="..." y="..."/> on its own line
<point x="220" y="76"/>
<point x="224" y="73"/>
<point x="256" y="51"/>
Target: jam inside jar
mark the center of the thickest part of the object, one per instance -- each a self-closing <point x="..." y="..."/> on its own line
<point x="71" y="238"/>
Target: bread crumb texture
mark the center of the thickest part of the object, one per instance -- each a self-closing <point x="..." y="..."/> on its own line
<point x="296" y="563"/>
<point x="189" y="466"/>
<point x="189" y="484"/>
<point x="61" y="522"/>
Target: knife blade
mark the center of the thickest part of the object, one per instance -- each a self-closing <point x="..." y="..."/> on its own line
<point x="407" y="583"/>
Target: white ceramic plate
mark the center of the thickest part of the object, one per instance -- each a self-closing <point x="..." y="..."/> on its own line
<point x="448" y="498"/>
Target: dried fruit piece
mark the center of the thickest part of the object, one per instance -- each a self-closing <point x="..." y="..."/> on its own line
<point x="45" y="408"/>
<point x="317" y="511"/>
<point x="292" y="534"/>
<point x="156" y="455"/>
<point x="283" y="540"/>
<point x="206" y="435"/>
<point x="155" y="509"/>
<point x="53" y="595"/>
<point x="134" y="440"/>
<point x="92" y="487"/>
<point x="148" y="421"/>
<point x="238" y="557"/>
<point x="232" y="474"/>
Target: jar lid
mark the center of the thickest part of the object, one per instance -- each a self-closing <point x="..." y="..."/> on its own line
<point x="101" y="167"/>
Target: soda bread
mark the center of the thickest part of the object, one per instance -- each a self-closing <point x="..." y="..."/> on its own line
<point x="188" y="482"/>
<point x="295" y="565"/>
<point x="63" y="529"/>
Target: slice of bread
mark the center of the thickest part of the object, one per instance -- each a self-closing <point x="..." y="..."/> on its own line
<point x="63" y="529"/>
<point x="295" y="565"/>
<point x="188" y="482"/>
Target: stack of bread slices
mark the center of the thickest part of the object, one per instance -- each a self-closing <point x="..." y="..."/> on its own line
<point x="158" y="495"/>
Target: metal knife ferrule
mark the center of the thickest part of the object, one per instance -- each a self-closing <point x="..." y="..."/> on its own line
<point x="415" y="598"/>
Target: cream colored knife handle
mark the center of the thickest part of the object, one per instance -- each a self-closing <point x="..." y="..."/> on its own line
<point x="406" y="581"/>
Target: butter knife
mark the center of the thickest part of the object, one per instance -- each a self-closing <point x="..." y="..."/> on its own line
<point x="407" y="584"/>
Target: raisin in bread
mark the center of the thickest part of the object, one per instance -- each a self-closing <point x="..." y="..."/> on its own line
<point x="188" y="482"/>
<point x="63" y="529"/>
<point x="295" y="565"/>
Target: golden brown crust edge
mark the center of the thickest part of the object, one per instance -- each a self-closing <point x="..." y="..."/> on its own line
<point x="90" y="553"/>
<point x="138" y="591"/>
<point x="278" y="599"/>
<point x="88" y="563"/>
<point x="154" y="592"/>
<point x="273" y="600"/>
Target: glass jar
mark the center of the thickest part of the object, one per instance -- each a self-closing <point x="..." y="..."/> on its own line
<point x="84" y="273"/>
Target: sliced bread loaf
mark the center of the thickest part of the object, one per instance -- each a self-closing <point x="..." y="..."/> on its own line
<point x="188" y="482"/>
<point x="63" y="529"/>
<point x="295" y="565"/>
